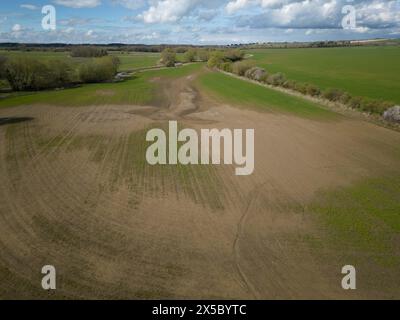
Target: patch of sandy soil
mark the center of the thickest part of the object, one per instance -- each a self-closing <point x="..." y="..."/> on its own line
<point x="76" y="193"/>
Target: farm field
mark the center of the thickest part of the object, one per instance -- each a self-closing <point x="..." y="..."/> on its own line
<point x="131" y="61"/>
<point x="372" y="72"/>
<point x="77" y="192"/>
<point x="137" y="91"/>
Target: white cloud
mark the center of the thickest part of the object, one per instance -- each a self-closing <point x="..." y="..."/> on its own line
<point x="379" y="14"/>
<point x="17" y="28"/>
<point x="29" y="6"/>
<point x="236" y="5"/>
<point x="168" y="10"/>
<point x="78" y="3"/>
<point x="130" y="4"/>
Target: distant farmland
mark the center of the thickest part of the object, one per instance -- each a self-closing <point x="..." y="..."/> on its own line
<point x="372" y="72"/>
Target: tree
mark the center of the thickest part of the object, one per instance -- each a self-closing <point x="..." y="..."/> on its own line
<point x="190" y="55"/>
<point x="98" y="70"/>
<point x="203" y="55"/>
<point x="3" y="61"/>
<point x="234" y="55"/>
<point x="168" y="57"/>
<point x="240" y="67"/>
<point x="25" y="73"/>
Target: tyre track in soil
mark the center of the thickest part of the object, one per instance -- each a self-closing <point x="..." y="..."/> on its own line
<point x="254" y="194"/>
<point x="46" y="177"/>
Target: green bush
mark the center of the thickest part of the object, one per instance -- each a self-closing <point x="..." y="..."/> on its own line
<point x="98" y="70"/>
<point x="333" y="94"/>
<point x="312" y="90"/>
<point x="276" y="79"/>
<point x="24" y="73"/>
<point x="256" y="73"/>
<point x="216" y="59"/>
<point x="345" y="98"/>
<point x="289" y="84"/>
<point x="240" y="67"/>
<point x="374" y="106"/>
<point x="226" y="66"/>
<point x="168" y="57"/>
<point x="234" y="55"/>
<point x="202" y="55"/>
<point x="190" y="55"/>
<point x="355" y="102"/>
<point x="3" y="61"/>
<point x="300" y="87"/>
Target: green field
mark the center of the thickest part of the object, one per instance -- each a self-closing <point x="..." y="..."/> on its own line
<point x="362" y="71"/>
<point x="243" y="93"/>
<point x="136" y="91"/>
<point x="131" y="61"/>
<point x="360" y="223"/>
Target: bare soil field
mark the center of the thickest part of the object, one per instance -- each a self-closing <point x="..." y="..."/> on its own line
<point x="76" y="192"/>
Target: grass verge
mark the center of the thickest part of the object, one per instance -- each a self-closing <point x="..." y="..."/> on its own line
<point x="241" y="92"/>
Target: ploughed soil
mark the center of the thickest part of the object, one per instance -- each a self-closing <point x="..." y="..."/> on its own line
<point x="76" y="192"/>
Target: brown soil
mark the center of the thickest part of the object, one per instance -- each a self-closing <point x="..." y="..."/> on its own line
<point x="76" y="193"/>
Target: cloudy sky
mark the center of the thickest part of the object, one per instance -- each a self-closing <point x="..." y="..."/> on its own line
<point x="197" y="21"/>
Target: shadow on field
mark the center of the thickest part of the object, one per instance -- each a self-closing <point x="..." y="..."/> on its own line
<point x="13" y="120"/>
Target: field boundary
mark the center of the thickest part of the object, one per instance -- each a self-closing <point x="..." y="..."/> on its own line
<point x="334" y="106"/>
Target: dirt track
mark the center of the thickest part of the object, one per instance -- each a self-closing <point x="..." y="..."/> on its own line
<point x="76" y="193"/>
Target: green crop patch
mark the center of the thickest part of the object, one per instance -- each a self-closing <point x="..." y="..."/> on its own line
<point x="136" y="91"/>
<point x="241" y="92"/>
<point x="372" y="72"/>
<point x="362" y="220"/>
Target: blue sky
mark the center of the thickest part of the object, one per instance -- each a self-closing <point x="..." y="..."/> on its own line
<point x="197" y="21"/>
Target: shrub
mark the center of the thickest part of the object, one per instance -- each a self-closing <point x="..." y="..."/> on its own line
<point x="216" y="59"/>
<point x="312" y="90"/>
<point x="300" y="87"/>
<point x="289" y="84"/>
<point x="98" y="70"/>
<point x="24" y="73"/>
<point x="203" y="55"/>
<point x="226" y="66"/>
<point x="61" y="73"/>
<point x="88" y="52"/>
<point x="190" y="55"/>
<point x="345" y="98"/>
<point x="333" y="94"/>
<point x="392" y="114"/>
<point x="355" y="102"/>
<point x="240" y="67"/>
<point x="168" y="57"/>
<point x="374" y="106"/>
<point x="276" y="79"/>
<point x="256" y="73"/>
<point x="3" y="61"/>
<point x="264" y="77"/>
<point x="234" y="55"/>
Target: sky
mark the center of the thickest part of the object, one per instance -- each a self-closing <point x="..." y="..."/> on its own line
<point x="201" y="22"/>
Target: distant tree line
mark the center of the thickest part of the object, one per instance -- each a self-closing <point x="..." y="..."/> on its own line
<point x="169" y="55"/>
<point x="88" y="52"/>
<point x="24" y="73"/>
<point x="57" y="47"/>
